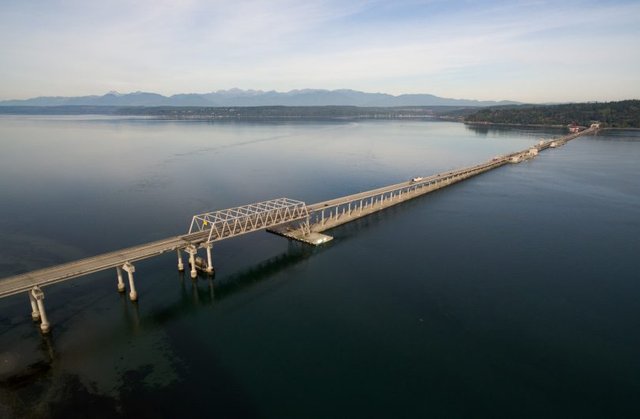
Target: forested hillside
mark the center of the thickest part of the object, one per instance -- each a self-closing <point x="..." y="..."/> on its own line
<point x="623" y="114"/>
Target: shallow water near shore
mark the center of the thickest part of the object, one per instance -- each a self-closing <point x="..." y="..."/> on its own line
<point x="512" y="294"/>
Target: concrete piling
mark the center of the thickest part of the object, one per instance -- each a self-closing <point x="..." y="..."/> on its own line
<point x="209" y="269"/>
<point x="180" y="264"/>
<point x="192" y="251"/>
<point x="130" y="269"/>
<point x="121" y="287"/>
<point x="35" y="313"/>
<point x="38" y="295"/>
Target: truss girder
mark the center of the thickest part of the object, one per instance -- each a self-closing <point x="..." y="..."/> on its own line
<point x="247" y="218"/>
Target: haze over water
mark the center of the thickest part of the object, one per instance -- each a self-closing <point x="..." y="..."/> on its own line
<point x="512" y="294"/>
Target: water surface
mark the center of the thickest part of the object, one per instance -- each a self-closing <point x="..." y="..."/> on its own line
<point x="513" y="294"/>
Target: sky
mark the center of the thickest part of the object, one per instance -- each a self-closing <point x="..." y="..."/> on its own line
<point x="530" y="51"/>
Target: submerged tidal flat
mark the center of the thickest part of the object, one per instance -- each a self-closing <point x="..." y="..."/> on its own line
<point x="512" y="294"/>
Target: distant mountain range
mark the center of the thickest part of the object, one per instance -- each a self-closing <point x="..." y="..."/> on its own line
<point x="239" y="97"/>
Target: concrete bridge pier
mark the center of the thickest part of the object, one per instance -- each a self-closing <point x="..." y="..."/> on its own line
<point x="209" y="268"/>
<point x="133" y="294"/>
<point x="35" y="313"/>
<point x="37" y="294"/>
<point x="192" y="251"/>
<point x="180" y="264"/>
<point x="121" y="287"/>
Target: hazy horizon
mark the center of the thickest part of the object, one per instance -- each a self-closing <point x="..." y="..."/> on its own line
<point x="533" y="51"/>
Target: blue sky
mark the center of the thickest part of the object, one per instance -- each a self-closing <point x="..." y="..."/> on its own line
<point x="535" y="50"/>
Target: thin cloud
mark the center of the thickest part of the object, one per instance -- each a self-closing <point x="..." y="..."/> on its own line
<point x="73" y="48"/>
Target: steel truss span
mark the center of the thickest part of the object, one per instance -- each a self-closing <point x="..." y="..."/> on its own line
<point x="231" y="222"/>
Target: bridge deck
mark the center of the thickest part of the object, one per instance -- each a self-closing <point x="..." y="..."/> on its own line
<point x="379" y="199"/>
<point x="335" y="212"/>
<point x="63" y="272"/>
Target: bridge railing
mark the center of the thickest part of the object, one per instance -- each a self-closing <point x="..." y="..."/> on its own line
<point x="340" y="210"/>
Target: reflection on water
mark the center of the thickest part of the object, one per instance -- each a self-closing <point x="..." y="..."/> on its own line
<point x="206" y="290"/>
<point x="511" y="292"/>
<point x="506" y="130"/>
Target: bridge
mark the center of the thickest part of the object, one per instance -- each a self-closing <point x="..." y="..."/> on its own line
<point x="283" y="216"/>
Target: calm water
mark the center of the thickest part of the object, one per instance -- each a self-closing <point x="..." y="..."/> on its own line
<point x="513" y="294"/>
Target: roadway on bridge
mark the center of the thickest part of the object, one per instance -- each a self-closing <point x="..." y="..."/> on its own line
<point x="47" y="276"/>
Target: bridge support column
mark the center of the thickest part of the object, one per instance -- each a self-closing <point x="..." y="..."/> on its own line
<point x="133" y="294"/>
<point x="180" y="264"/>
<point x="208" y="246"/>
<point x="121" y="286"/>
<point x="38" y="295"/>
<point x="192" y="260"/>
<point x="35" y="313"/>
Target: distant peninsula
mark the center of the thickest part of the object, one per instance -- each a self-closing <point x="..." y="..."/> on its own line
<point x="622" y="114"/>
